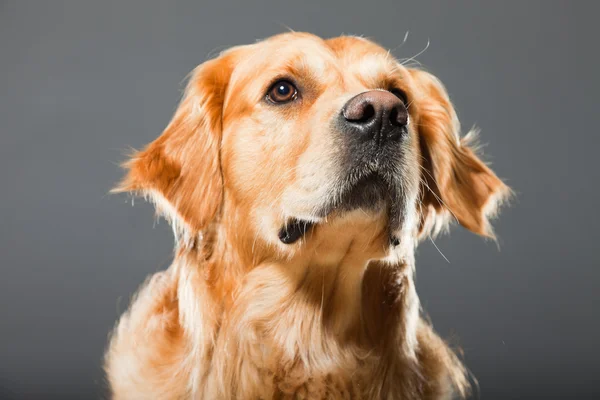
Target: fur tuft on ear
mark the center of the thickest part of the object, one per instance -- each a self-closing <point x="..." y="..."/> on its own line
<point x="455" y="182"/>
<point x="180" y="171"/>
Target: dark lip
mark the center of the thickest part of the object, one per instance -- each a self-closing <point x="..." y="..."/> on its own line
<point x="293" y="230"/>
<point x="364" y="189"/>
<point x="372" y="189"/>
<point x="367" y="191"/>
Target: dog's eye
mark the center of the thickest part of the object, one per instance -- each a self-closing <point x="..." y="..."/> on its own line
<point x="400" y="94"/>
<point x="282" y="92"/>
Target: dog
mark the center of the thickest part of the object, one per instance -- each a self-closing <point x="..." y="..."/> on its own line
<point x="299" y="174"/>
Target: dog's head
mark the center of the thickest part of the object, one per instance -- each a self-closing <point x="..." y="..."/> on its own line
<point x="296" y="135"/>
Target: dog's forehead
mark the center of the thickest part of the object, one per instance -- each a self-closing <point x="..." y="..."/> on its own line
<point x="306" y="55"/>
<point x="351" y="47"/>
<point x="289" y="51"/>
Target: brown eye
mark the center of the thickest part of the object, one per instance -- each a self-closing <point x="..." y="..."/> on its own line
<point x="400" y="94"/>
<point x="282" y="92"/>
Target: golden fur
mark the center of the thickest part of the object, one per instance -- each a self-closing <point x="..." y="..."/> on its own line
<point x="239" y="315"/>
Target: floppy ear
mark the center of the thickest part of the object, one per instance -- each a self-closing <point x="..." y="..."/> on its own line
<point x="456" y="182"/>
<point x="180" y="171"/>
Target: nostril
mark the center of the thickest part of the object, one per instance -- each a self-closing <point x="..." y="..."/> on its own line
<point x="367" y="114"/>
<point x="398" y="117"/>
<point x="359" y="112"/>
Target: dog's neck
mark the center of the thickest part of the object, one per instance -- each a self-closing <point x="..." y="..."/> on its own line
<point x="322" y="283"/>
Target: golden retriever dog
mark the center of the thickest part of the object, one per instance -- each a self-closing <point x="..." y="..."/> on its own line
<point x="299" y="174"/>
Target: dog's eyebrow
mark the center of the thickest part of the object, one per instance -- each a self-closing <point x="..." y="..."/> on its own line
<point x="315" y="69"/>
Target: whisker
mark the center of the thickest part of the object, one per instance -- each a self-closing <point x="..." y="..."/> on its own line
<point x="405" y="61"/>
<point x="434" y="194"/>
<point x="401" y="44"/>
<point x="438" y="249"/>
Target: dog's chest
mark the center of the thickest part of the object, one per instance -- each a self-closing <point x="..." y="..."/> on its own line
<point x="335" y="374"/>
<point x="300" y="383"/>
<point x="329" y="386"/>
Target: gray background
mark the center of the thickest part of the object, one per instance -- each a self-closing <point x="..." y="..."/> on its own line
<point x="80" y="81"/>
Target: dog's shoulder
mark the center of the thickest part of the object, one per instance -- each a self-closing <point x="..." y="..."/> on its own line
<point x="146" y="347"/>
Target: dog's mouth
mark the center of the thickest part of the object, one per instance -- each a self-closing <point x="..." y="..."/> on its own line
<point x="293" y="230"/>
<point x="371" y="191"/>
<point x="368" y="192"/>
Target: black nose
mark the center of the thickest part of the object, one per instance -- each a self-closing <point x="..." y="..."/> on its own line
<point x="376" y="115"/>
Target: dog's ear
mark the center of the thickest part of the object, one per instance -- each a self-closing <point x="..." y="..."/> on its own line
<point x="455" y="182"/>
<point x="180" y="171"/>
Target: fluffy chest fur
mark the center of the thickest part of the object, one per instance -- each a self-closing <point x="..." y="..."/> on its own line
<point x="176" y="342"/>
